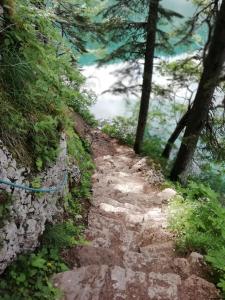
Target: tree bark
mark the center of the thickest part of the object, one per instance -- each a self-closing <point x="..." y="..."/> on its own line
<point x="147" y="76"/>
<point x="180" y="126"/>
<point x="8" y="7"/>
<point x="210" y="77"/>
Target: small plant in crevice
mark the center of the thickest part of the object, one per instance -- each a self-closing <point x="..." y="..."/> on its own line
<point x="36" y="182"/>
<point x="72" y="206"/>
<point x="5" y="203"/>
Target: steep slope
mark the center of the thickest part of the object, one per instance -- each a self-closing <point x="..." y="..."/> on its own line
<point x="131" y="253"/>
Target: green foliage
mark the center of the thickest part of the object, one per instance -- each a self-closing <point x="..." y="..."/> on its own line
<point x="39" y="83"/>
<point x="216" y="258"/>
<point x="62" y="235"/>
<point x="5" y="202"/>
<point x="125" y="25"/>
<point x="38" y="80"/>
<point x="76" y="149"/>
<point x="75" y="19"/>
<point x="72" y="205"/>
<point x="197" y="217"/>
<point x="195" y="191"/>
<point x="152" y="147"/>
<point x="212" y="173"/>
<point x="121" y="128"/>
<point x="28" y="277"/>
<point x="182" y="70"/>
<point x="45" y="141"/>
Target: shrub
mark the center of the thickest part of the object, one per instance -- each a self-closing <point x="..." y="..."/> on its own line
<point x="121" y="128"/>
<point x="197" y="217"/>
<point x="28" y="277"/>
<point x="62" y="235"/>
<point x="37" y="85"/>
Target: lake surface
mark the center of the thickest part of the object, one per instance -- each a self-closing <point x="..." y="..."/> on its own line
<point x="184" y="7"/>
<point x="101" y="79"/>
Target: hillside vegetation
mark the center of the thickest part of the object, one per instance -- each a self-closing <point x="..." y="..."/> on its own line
<point x="41" y="86"/>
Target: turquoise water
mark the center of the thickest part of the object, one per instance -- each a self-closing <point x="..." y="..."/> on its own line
<point x="109" y="106"/>
<point x="184" y="7"/>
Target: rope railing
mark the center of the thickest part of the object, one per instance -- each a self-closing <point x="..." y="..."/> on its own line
<point x="53" y="189"/>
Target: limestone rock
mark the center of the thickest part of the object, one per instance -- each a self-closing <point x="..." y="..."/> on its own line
<point x="197" y="288"/>
<point x="104" y="283"/>
<point x="28" y="212"/>
<point x="196" y="258"/>
<point x="140" y="165"/>
<point x="166" y="195"/>
<point x="74" y="175"/>
<point x="182" y="266"/>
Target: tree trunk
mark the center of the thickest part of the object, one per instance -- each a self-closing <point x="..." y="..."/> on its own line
<point x="8" y="7"/>
<point x="180" y="126"/>
<point x="210" y="77"/>
<point x="147" y="76"/>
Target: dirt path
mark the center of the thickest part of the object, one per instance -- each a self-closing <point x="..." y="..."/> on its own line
<point x="131" y="253"/>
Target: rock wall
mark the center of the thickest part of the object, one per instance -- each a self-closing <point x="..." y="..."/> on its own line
<point x="29" y="212"/>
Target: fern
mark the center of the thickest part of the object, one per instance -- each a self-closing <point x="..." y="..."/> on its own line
<point x="198" y="218"/>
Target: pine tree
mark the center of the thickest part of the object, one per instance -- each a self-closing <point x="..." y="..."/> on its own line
<point x="213" y="65"/>
<point x="76" y="20"/>
<point x="135" y="35"/>
<point x="147" y="76"/>
<point x="186" y="71"/>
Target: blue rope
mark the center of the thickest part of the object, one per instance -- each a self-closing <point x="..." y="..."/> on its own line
<point x="40" y="190"/>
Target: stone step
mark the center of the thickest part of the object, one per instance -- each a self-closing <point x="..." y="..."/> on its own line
<point x="97" y="201"/>
<point x="89" y="255"/>
<point x="115" y="219"/>
<point x="130" y="254"/>
<point x="142" y="200"/>
<point x="159" y="249"/>
<point x="104" y="283"/>
<point x="116" y="227"/>
<point x="108" y="239"/>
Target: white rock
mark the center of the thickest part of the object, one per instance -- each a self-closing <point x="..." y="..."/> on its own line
<point x="28" y="212"/>
<point x="166" y="194"/>
<point x="196" y="258"/>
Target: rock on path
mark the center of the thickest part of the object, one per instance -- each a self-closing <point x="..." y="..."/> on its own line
<point x="131" y="253"/>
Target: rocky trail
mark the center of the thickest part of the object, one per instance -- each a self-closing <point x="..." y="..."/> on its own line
<point x="130" y="254"/>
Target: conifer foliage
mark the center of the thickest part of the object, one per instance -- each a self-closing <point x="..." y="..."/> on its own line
<point x="213" y="66"/>
<point x="134" y="28"/>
